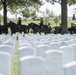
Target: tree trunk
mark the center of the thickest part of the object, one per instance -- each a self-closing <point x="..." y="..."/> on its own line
<point x="64" y="28"/>
<point x="5" y="12"/>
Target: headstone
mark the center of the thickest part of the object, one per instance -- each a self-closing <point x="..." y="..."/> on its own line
<point x="24" y="45"/>
<point x="11" y="44"/>
<point x="55" y="46"/>
<point x="0" y="74"/>
<point x="31" y="65"/>
<point x="54" y="65"/>
<point x="5" y="63"/>
<point x="68" y="54"/>
<point x="46" y="42"/>
<point x="69" y="42"/>
<point x="36" y="43"/>
<point x="41" y="50"/>
<point x="25" y="51"/>
<point x="7" y="48"/>
<point x="70" y="68"/>
<point x="74" y="47"/>
<point x="1" y="42"/>
<point x="63" y="43"/>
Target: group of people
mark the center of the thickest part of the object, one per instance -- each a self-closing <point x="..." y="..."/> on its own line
<point x="41" y="24"/>
<point x="73" y="28"/>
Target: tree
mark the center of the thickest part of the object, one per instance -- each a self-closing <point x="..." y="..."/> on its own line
<point x="63" y="15"/>
<point x="33" y="14"/>
<point x="63" y="12"/>
<point x="12" y="4"/>
<point x="31" y="11"/>
<point x="56" y="20"/>
<point x="49" y="14"/>
<point x="26" y="13"/>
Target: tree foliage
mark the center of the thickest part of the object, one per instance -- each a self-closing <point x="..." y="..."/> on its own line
<point x="70" y="2"/>
<point x="30" y="11"/>
<point x="51" y="14"/>
<point x="26" y="13"/>
<point x="24" y="5"/>
<point x="33" y="14"/>
<point x="63" y="12"/>
<point x="20" y="3"/>
<point x="13" y="5"/>
<point x="56" y="20"/>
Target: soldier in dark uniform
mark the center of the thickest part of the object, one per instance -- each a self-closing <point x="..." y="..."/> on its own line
<point x="41" y="24"/>
<point x="49" y="28"/>
<point x="19" y="24"/>
<point x="19" y="21"/>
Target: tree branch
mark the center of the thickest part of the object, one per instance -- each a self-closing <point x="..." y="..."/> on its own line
<point x="2" y="1"/>
<point x="10" y="2"/>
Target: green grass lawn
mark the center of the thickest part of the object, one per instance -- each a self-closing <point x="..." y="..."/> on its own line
<point x="15" y="63"/>
<point x="26" y="22"/>
<point x="37" y="22"/>
<point x="49" y="21"/>
<point x="71" y="21"/>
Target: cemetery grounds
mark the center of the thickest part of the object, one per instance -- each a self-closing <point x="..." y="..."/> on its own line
<point x="15" y="63"/>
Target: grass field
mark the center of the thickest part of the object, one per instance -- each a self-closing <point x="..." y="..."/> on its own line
<point x="45" y="22"/>
<point x="49" y="21"/>
<point x="15" y="63"/>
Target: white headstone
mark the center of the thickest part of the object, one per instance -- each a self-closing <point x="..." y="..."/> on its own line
<point x="0" y="74"/>
<point x="41" y="50"/>
<point x="63" y="43"/>
<point x="11" y="44"/>
<point x="32" y="65"/>
<point x="7" y="48"/>
<point x="24" y="45"/>
<point x="54" y="65"/>
<point x="46" y="42"/>
<point x="55" y="46"/>
<point x="5" y="63"/>
<point x="25" y="51"/>
<point x="1" y="42"/>
<point x="74" y="47"/>
<point x="70" y="68"/>
<point x="68" y="54"/>
<point x="36" y="43"/>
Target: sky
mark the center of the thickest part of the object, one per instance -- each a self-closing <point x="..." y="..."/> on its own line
<point x="55" y="8"/>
